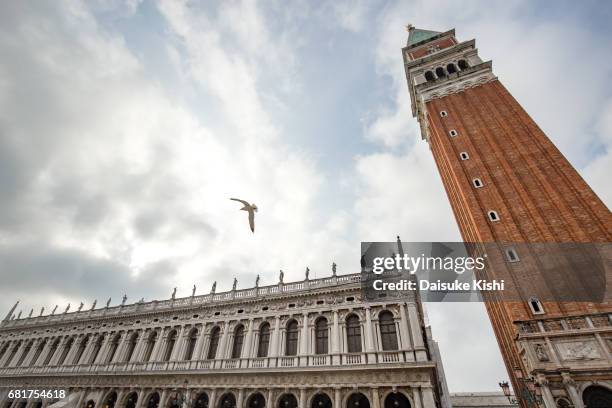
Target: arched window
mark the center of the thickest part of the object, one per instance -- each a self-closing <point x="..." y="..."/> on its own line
<point x="238" y="340"/>
<point x="429" y="76"/>
<point x="96" y="349"/>
<point x="80" y="350"/>
<point x="264" y="340"/>
<point x="191" y="342"/>
<point x="450" y="68"/>
<point x="493" y="216"/>
<point x="321" y="335"/>
<point x="150" y="345"/>
<point x="353" y="334"/>
<point x="388" y="334"/>
<point x="597" y="396"/>
<point x="26" y="351"/>
<point x="51" y="352"/>
<point x="131" y="346"/>
<point x="170" y="345"/>
<point x="65" y="351"/>
<point x="3" y="350"/>
<point x="291" y="341"/>
<point x="11" y="356"/>
<point x="440" y="72"/>
<point x="536" y="306"/>
<point x="113" y="349"/>
<point x="214" y="343"/>
<point x="462" y="64"/>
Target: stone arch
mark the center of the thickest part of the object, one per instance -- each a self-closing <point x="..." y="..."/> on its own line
<point x="110" y="399"/>
<point x="90" y="404"/>
<point x="597" y="396"/>
<point x="320" y="399"/>
<point x="287" y="400"/>
<point x="462" y="64"/>
<point x="130" y="400"/>
<point x="356" y="396"/>
<point x="192" y="339"/>
<point x="201" y="400"/>
<point x="396" y="392"/>
<point x="227" y="400"/>
<point x="175" y="399"/>
<point x="256" y="400"/>
<point x="152" y="400"/>
<point x="429" y="76"/>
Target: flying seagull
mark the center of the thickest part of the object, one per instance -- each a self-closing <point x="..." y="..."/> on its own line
<point x="251" y="208"/>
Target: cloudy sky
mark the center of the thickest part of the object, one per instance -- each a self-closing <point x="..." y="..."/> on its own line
<point x="125" y="128"/>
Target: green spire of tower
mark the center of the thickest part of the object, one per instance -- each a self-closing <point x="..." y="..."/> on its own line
<point x="416" y="35"/>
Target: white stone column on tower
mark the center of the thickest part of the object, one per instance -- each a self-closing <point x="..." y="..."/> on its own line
<point x="121" y="348"/>
<point x="417" y="335"/>
<point x="76" y="344"/>
<point x="275" y="346"/>
<point x="18" y="354"/>
<point x="547" y="397"/>
<point x="163" y="398"/>
<point x="27" y="361"/>
<point x="82" y="394"/>
<point x="570" y="386"/>
<point x="406" y="344"/>
<point x="140" y="401"/>
<point x="369" y="337"/>
<point x="270" y="398"/>
<point x="7" y="353"/>
<point x="101" y="357"/>
<point x="213" y="398"/>
<point x="86" y="357"/>
<point x="59" y="351"/>
<point x="335" y="339"/>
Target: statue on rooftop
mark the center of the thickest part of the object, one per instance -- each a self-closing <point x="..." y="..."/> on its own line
<point x="193" y="291"/>
<point x="31" y="311"/>
<point x="123" y="300"/>
<point x="108" y="302"/>
<point x="174" y="294"/>
<point x="235" y="284"/>
<point x="19" y="315"/>
<point x="334" y="269"/>
<point x="257" y="281"/>
<point x="80" y="307"/>
<point x="307" y="272"/>
<point x="214" y="288"/>
<point x="42" y="310"/>
<point x="54" y="309"/>
<point x="93" y="305"/>
<point x="281" y="276"/>
<point x="67" y="308"/>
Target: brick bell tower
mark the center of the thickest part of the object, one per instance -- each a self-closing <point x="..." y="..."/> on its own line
<point x="507" y="182"/>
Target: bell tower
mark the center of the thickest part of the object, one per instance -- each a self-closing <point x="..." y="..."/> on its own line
<point x="507" y="182"/>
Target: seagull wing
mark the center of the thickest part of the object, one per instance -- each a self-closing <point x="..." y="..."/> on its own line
<point x="241" y="201"/>
<point x="252" y="220"/>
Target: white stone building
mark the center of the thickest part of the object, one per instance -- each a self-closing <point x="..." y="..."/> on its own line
<point x="309" y="344"/>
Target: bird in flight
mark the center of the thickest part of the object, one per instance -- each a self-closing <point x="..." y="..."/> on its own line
<point x="251" y="208"/>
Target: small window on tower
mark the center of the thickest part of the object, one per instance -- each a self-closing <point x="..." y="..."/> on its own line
<point x="462" y="64"/>
<point x="464" y="156"/>
<point x="452" y="133"/>
<point x="493" y="216"/>
<point x="536" y="306"/>
<point x="429" y="76"/>
<point x="443" y="114"/>
<point x="511" y="255"/>
<point x="451" y="68"/>
<point x="477" y="183"/>
<point x="440" y="73"/>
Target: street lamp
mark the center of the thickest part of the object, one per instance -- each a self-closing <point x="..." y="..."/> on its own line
<point x="528" y="390"/>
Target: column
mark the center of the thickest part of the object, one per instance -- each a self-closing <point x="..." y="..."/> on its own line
<point x="79" y="403"/>
<point x="163" y="398"/>
<point x="158" y="345"/>
<point x="428" y="398"/>
<point x="212" y="403"/>
<point x="18" y="354"/>
<point x="248" y="343"/>
<point x="140" y="346"/>
<point x="58" y="351"/>
<point x="200" y="343"/>
<point x="404" y="333"/>
<point x="100" y="400"/>
<point x="417" y="335"/>
<point x="178" y="345"/>
<point x="274" y="347"/>
<point x="369" y="339"/>
<point x="335" y="339"/>
<point x="337" y="398"/>
<point x="120" y="394"/>
<point x="76" y="344"/>
<point x="240" y="399"/>
<point x="547" y="397"/>
<point x="269" y="399"/>
<point x="222" y="350"/>
<point x="91" y="344"/>
<point x="7" y="353"/>
<point x="375" y="398"/>
<point x="103" y="349"/>
<point x="121" y="348"/>
<point x="303" y="352"/>
<point x="43" y="355"/>
<point x="416" y="397"/>
<point x="28" y="360"/>
<point x="302" y="401"/>
<point x="140" y="401"/>
<point x="570" y="386"/>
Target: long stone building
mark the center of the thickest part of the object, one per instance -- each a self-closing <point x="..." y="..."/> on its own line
<point x="313" y="343"/>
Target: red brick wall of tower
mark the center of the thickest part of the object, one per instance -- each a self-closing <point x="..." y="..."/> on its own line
<point x="537" y="193"/>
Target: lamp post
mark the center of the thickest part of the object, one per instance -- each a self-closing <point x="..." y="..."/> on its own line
<point x="528" y="392"/>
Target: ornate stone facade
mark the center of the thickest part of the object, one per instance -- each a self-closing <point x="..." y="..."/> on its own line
<point x="313" y="343"/>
